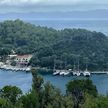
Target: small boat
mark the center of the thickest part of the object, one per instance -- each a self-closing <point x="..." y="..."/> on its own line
<point x="28" y="69"/>
<point x="77" y="73"/>
<point x="20" y="69"/>
<point x="66" y="73"/>
<point x="86" y="73"/>
<point x="56" y="72"/>
<point x="74" y="72"/>
<point x="16" y="69"/>
<point x="62" y="72"/>
<point x="23" y="69"/>
<point x="12" y="68"/>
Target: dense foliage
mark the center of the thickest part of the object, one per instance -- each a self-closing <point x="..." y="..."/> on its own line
<point x="84" y="85"/>
<point x="66" y="47"/>
<point x="44" y="95"/>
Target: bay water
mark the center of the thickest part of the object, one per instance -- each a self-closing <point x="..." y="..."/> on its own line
<point x="23" y="80"/>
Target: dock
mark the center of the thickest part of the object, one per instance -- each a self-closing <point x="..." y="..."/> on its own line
<point x="99" y="72"/>
<point x="15" y="68"/>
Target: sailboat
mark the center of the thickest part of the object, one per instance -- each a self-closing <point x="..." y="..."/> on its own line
<point x="76" y="72"/>
<point x="65" y="72"/>
<point x="62" y="72"/>
<point x="86" y="72"/>
<point x="55" y="72"/>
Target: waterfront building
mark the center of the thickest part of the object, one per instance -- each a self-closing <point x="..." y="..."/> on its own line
<point x="23" y="60"/>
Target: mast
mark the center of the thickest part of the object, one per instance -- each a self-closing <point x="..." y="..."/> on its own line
<point x="74" y="67"/>
<point x="65" y="63"/>
<point x="86" y="64"/>
<point x="54" y="68"/>
<point x="78" y="64"/>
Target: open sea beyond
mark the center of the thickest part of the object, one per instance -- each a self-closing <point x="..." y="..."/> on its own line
<point x="89" y="24"/>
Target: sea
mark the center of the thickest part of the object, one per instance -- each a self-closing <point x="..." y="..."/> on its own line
<point x="23" y="80"/>
<point x="99" y="25"/>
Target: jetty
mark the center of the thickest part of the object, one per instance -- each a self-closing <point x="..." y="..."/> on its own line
<point x="99" y="72"/>
<point x="15" y="68"/>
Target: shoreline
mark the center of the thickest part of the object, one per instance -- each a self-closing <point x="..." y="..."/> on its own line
<point x="15" y="68"/>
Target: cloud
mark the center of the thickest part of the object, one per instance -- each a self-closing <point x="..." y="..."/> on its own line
<point x="18" y="2"/>
<point x="52" y="2"/>
<point x="50" y="5"/>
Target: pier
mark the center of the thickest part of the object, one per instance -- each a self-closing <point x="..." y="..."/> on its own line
<point x="99" y="72"/>
<point x="15" y="68"/>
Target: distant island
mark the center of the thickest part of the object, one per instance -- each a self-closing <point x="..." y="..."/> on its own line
<point x="66" y="48"/>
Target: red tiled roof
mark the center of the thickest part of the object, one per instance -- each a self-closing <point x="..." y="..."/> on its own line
<point x="24" y="56"/>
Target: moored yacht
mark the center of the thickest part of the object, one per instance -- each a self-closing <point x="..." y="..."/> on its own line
<point x="62" y="72"/>
<point x="66" y="73"/>
<point x="86" y="73"/>
<point x="77" y="73"/>
<point x="56" y="72"/>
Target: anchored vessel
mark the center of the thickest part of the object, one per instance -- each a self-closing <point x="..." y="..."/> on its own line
<point x="56" y="72"/>
<point x="86" y="73"/>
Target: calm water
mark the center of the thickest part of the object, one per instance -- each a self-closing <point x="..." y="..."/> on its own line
<point x="93" y="25"/>
<point x="24" y="80"/>
<point x="19" y="79"/>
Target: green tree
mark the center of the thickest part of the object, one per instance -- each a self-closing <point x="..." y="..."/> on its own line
<point x="11" y="93"/>
<point x="37" y="81"/>
<point x="5" y="103"/>
<point x="30" y="100"/>
<point x="77" y="88"/>
<point x="85" y="85"/>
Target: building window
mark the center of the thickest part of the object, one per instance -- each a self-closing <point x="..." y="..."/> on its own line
<point x="23" y="58"/>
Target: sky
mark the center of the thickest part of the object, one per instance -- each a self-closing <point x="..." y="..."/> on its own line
<point x="19" y="6"/>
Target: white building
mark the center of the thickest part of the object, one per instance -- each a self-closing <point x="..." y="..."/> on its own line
<point x="23" y="59"/>
<point x="12" y="56"/>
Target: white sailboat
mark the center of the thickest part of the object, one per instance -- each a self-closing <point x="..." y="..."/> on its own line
<point x="86" y="73"/>
<point x="77" y="72"/>
<point x="67" y="72"/>
<point x="56" y="72"/>
<point x="62" y="72"/>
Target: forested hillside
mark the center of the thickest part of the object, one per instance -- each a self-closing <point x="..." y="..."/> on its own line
<point x="66" y="46"/>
